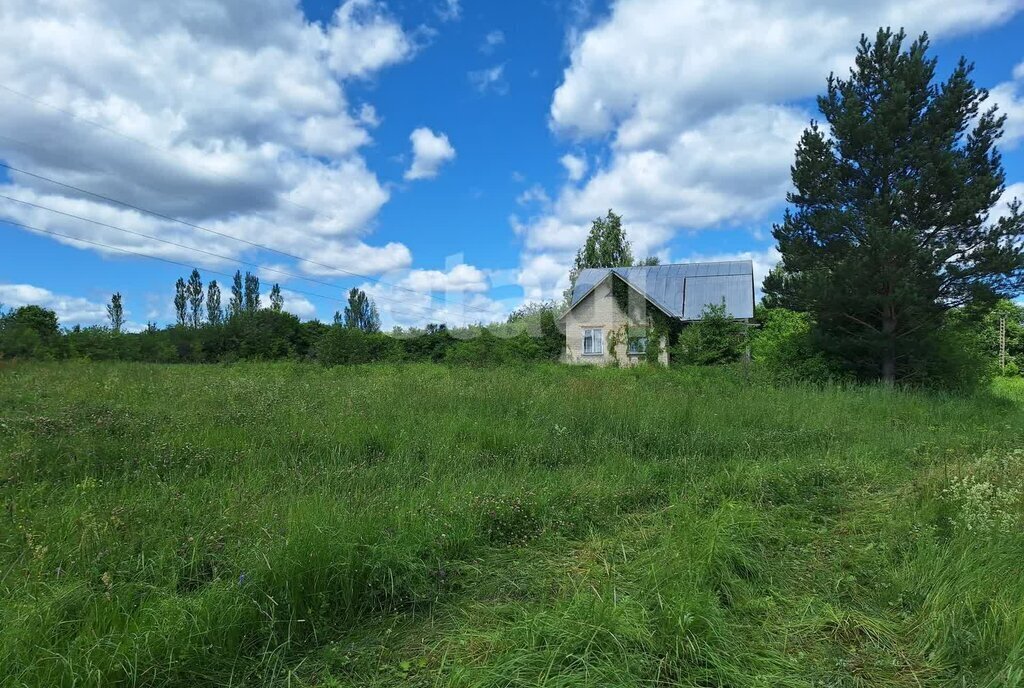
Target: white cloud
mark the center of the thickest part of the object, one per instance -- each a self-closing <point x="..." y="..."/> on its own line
<point x="534" y="194"/>
<point x="362" y="39"/>
<point x="429" y="151"/>
<point x="692" y="104"/>
<point x="575" y="166"/>
<point x="296" y="304"/>
<point x="490" y="79"/>
<point x="1013" y="191"/>
<point x="1009" y="96"/>
<point x="460" y="278"/>
<point x="233" y="119"/>
<point x="70" y="310"/>
<point x="449" y="10"/>
<point x="491" y="41"/>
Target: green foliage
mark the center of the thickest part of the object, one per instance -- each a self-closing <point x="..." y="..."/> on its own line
<point x="276" y="299"/>
<point x="714" y="339"/>
<point x="181" y="302"/>
<point x="395" y="525"/>
<point x="251" y="294"/>
<point x="194" y="294"/>
<point x="360" y="313"/>
<point x="115" y="313"/>
<point x="214" y="311"/>
<point x="783" y="348"/>
<point x="237" y="303"/>
<point x="889" y="226"/>
<point x="349" y="346"/>
<point x="30" y="332"/>
<point x="606" y="247"/>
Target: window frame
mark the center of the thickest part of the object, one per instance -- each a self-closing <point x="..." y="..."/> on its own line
<point x="631" y="341"/>
<point x="597" y="342"/>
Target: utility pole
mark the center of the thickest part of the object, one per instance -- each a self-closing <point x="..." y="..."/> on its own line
<point x="1002" y="342"/>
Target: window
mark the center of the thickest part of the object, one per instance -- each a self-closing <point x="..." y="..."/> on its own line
<point x="593" y="344"/>
<point x="637" y="345"/>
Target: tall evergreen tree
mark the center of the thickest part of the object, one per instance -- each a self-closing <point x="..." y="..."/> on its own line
<point x="236" y="304"/>
<point x="252" y="293"/>
<point x="361" y="313"/>
<point x="276" y="299"/>
<point x="194" y="291"/>
<point x="889" y="226"/>
<point x="606" y="247"/>
<point x="214" y="312"/>
<point x="181" y="301"/>
<point x="115" y="312"/>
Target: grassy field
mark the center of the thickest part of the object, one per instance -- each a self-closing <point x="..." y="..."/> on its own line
<point x="431" y="526"/>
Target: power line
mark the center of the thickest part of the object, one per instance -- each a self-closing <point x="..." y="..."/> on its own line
<point x="168" y="151"/>
<point x="186" y="246"/>
<point x="172" y="261"/>
<point x="224" y="235"/>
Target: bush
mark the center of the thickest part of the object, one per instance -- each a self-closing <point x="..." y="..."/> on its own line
<point x="349" y="346"/>
<point x="715" y="338"/>
<point x="30" y="332"/>
<point x="783" y="347"/>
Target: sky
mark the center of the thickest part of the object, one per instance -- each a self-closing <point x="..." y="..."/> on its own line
<point x="446" y="156"/>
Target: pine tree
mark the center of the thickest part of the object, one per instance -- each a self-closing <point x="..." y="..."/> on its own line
<point x="361" y="313"/>
<point x="194" y="292"/>
<point x="889" y="226"/>
<point x="180" y="301"/>
<point x="115" y="313"/>
<point x="252" y="293"/>
<point x="276" y="299"/>
<point x="236" y="304"/>
<point x="214" y="312"/>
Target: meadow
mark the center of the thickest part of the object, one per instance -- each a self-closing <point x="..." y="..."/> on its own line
<point x="428" y="525"/>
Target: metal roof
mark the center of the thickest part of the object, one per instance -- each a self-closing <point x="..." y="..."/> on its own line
<point x="683" y="290"/>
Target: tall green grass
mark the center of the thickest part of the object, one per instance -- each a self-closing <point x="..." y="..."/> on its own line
<point x="425" y="525"/>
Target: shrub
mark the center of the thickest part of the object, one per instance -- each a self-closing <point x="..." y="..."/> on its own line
<point x="715" y="338"/>
<point x="783" y="347"/>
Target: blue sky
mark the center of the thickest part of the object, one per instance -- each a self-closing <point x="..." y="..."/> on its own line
<point x="450" y="153"/>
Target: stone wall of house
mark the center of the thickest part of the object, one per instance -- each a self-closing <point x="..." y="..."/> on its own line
<point x="599" y="309"/>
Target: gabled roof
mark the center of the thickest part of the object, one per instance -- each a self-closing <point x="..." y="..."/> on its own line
<point x="682" y="290"/>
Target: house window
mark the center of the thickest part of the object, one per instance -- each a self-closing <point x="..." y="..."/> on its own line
<point x="593" y="343"/>
<point x="637" y="345"/>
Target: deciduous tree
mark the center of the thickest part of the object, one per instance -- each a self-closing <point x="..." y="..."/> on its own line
<point x="181" y="301"/>
<point x="194" y="291"/>
<point x="115" y="313"/>
<point x="214" y="312"/>
<point x="252" y="293"/>
<point x="276" y="299"/>
<point x="236" y="304"/>
<point x="360" y="313"/>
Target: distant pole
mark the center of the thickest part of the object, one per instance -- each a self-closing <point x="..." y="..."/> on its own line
<point x="1002" y="342"/>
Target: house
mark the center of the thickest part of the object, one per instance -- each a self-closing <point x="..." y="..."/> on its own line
<point x="614" y="311"/>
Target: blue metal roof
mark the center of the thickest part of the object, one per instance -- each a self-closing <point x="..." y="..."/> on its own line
<point x="684" y="289"/>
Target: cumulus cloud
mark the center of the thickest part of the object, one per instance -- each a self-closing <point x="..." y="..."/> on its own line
<point x="1009" y="96"/>
<point x="491" y="79"/>
<point x="231" y="119"/>
<point x="70" y="310"/>
<point x="429" y="151"/>
<point x="575" y="166"/>
<point x="460" y="278"/>
<point x="296" y="304"/>
<point x="691" y="104"/>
